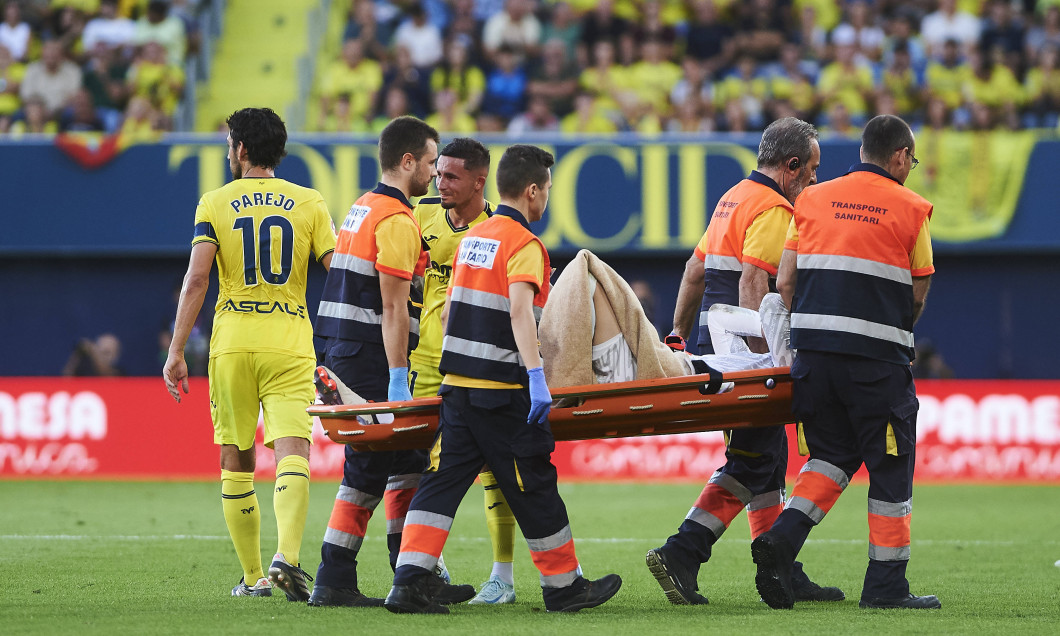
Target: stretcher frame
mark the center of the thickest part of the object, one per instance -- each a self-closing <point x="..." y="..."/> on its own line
<point x="665" y="406"/>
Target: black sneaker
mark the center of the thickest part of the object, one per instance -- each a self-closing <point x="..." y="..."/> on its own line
<point x="446" y="594"/>
<point x="582" y="594"/>
<point x="807" y="590"/>
<point x="324" y="596"/>
<point x="677" y="581"/>
<point x="289" y="578"/>
<point x="908" y="602"/>
<point x="415" y="598"/>
<point x="327" y="388"/>
<point x="774" y="557"/>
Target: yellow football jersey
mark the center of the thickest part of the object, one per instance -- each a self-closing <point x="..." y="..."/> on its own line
<point x="442" y="241"/>
<point x="265" y="231"/>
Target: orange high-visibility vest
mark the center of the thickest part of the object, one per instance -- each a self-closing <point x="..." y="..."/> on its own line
<point x="854" y="292"/>
<point x="351" y="305"/>
<point x="724" y="258"/>
<point x="479" y="342"/>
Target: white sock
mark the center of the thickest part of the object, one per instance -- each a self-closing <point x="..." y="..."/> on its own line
<point x="504" y="571"/>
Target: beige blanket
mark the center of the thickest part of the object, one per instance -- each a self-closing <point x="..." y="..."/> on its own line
<point x="566" y="333"/>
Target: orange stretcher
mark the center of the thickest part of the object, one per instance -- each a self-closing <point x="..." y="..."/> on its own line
<point x="686" y="404"/>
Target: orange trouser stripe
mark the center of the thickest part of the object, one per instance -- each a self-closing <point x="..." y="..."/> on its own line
<point x="889" y="532"/>
<point x="719" y="502"/>
<point x="762" y="519"/>
<point x="559" y="560"/>
<point x="349" y="518"/>
<point x="426" y="539"/>
<point x="820" y="489"/>
<point x="396" y="502"/>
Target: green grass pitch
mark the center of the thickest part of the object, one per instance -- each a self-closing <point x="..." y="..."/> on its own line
<point x="154" y="558"/>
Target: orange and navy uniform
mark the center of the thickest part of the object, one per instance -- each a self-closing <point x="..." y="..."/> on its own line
<point x="860" y="240"/>
<point x="379" y="234"/>
<point x="485" y="404"/>
<point x="374" y="238"/>
<point x="747" y="226"/>
<point x="479" y="342"/>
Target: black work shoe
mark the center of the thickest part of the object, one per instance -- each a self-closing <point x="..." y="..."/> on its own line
<point x="677" y="581"/>
<point x="774" y="557"/>
<point x="908" y="602"/>
<point x="414" y="598"/>
<point x="582" y="594"/>
<point x="807" y="590"/>
<point x="446" y="594"/>
<point x="324" y="596"/>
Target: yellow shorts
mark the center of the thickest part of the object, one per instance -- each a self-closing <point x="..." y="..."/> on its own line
<point x="428" y="378"/>
<point x="244" y="384"/>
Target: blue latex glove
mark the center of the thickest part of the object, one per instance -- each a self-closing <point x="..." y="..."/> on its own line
<point x="398" y="389"/>
<point x="540" y="398"/>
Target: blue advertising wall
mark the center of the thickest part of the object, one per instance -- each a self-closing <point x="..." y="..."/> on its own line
<point x="86" y="250"/>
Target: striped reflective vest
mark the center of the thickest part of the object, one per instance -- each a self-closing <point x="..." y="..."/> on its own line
<point x="724" y="258"/>
<point x="351" y="305"/>
<point x="854" y="292"/>
<point x="479" y="342"/>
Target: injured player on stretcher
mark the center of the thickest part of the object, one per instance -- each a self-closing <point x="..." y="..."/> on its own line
<point x="592" y="309"/>
<point x="594" y="331"/>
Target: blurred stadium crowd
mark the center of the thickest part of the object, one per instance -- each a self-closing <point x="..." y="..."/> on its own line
<point x="94" y="65"/>
<point x="648" y="66"/>
<point x="578" y="66"/>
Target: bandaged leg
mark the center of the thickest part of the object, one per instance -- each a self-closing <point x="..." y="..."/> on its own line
<point x="776" y="327"/>
<point x="728" y="324"/>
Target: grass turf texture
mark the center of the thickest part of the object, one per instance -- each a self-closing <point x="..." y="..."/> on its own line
<point x="101" y="557"/>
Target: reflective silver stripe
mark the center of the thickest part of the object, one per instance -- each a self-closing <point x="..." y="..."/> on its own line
<point x="352" y="263"/>
<point x="561" y="538"/>
<point x="559" y="580"/>
<point x="879" y="553"/>
<point x="403" y="482"/>
<point x="349" y="312"/>
<point x="707" y="520"/>
<point x="481" y="350"/>
<point x="806" y="507"/>
<point x="432" y="519"/>
<point x="537" y="313"/>
<point x="725" y="263"/>
<point x="890" y="509"/>
<point x="766" y="500"/>
<point x="831" y="471"/>
<point x="728" y="482"/>
<point x="852" y="325"/>
<point x="394" y="526"/>
<point x="483" y="299"/>
<point x="342" y="539"/>
<point x="358" y="498"/>
<point x="856" y="265"/>
<point x="419" y="559"/>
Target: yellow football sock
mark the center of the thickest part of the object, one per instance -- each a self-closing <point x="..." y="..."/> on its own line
<point x="243" y="517"/>
<point x="499" y="520"/>
<point x="291" y="502"/>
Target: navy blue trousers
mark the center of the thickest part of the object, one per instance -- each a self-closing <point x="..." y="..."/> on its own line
<point x="363" y="367"/>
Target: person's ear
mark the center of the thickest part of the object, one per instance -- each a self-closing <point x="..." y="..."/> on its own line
<point x="794" y="164"/>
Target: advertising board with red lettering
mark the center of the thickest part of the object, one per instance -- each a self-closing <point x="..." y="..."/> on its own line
<point x="130" y="428"/>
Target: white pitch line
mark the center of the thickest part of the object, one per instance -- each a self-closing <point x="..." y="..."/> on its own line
<point x="459" y="539"/>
